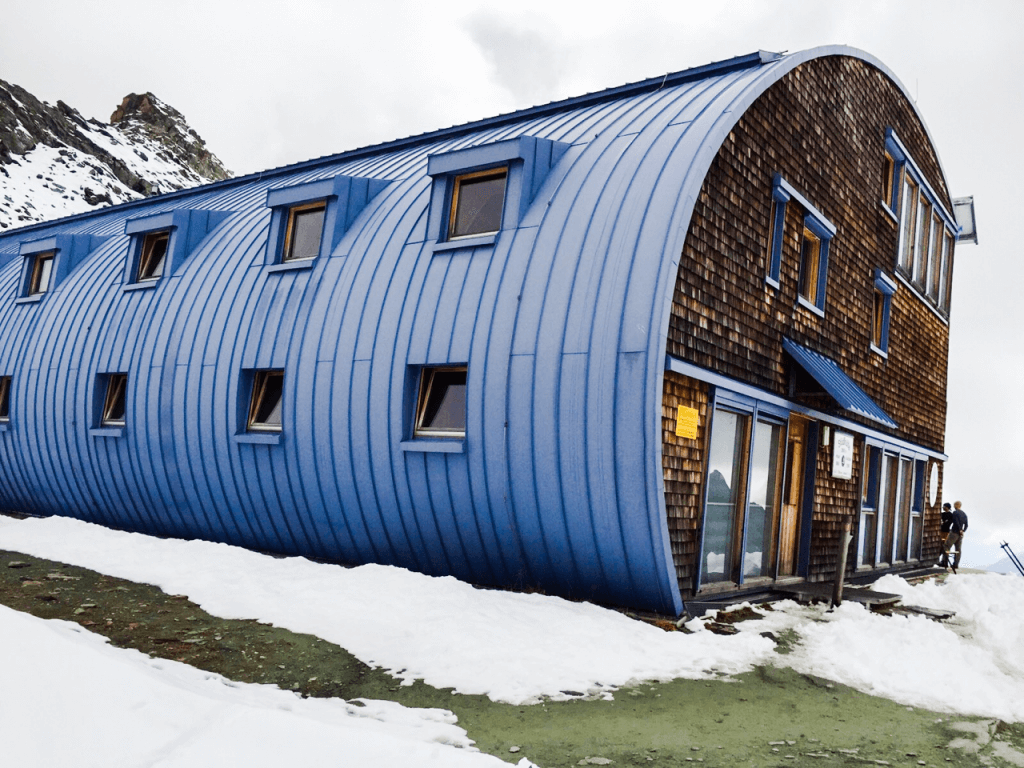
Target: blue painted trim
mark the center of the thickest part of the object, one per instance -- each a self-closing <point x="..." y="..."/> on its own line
<point x="891" y="139"/>
<point x="813" y="308"/>
<point x="823" y="227"/>
<point x="465" y="242"/>
<point x="142" y="286"/>
<point x="780" y="197"/>
<point x="345" y="197"/>
<point x="427" y="445"/>
<point x="291" y="266"/>
<point x="34" y="298"/>
<point x="887" y="287"/>
<point x="259" y="438"/>
<point x="106" y="432"/>
<point x="718" y="380"/>
<point x="5" y="425"/>
<point x="69" y="251"/>
<point x="529" y="160"/>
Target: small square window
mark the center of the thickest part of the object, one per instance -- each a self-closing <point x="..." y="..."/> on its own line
<point x="304" y="231"/>
<point x="477" y="203"/>
<point x="441" y="407"/>
<point x="42" y="273"/>
<point x="810" y="265"/>
<point x="153" y="255"/>
<point x="5" y="398"/>
<point x="266" y="401"/>
<point x="114" y="402"/>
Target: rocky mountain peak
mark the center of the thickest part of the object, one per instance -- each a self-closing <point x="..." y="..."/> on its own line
<point x="54" y="162"/>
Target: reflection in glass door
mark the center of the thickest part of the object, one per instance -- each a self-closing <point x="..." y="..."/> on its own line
<point x="741" y="518"/>
<point x="726" y="470"/>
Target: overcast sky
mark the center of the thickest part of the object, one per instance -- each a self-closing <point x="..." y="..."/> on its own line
<point x="271" y="83"/>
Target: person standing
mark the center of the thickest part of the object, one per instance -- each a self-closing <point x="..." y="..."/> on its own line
<point x="945" y="522"/>
<point x="955" y="538"/>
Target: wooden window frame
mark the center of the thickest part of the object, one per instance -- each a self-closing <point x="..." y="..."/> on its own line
<point x="288" y="243"/>
<point x="116" y="394"/>
<point x="453" y="211"/>
<point x="258" y="392"/>
<point x="424" y="398"/>
<point x="5" y="399"/>
<point x="145" y="271"/>
<point x="36" y="278"/>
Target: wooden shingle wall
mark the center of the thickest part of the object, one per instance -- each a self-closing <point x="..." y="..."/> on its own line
<point x="822" y="127"/>
<point x="683" y="463"/>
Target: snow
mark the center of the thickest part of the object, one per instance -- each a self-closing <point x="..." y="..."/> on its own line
<point x="49" y="183"/>
<point x="520" y="648"/>
<point x="55" y="672"/>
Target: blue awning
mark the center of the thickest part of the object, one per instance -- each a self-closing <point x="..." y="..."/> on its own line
<point x="841" y="387"/>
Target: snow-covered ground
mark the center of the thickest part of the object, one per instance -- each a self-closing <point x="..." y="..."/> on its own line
<point x="514" y="648"/>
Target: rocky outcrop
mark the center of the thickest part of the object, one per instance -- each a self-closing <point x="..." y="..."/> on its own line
<point x="54" y="162"/>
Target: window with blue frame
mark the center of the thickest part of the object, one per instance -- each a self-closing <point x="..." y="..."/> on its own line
<point x="743" y="497"/>
<point x="891" y="522"/>
<point x="926" y="230"/>
<point x="815" y="240"/>
<point x="479" y="192"/>
<point x="884" y="288"/>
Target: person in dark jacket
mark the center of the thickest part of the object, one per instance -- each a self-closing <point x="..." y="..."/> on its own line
<point x="955" y="537"/>
<point x="945" y="523"/>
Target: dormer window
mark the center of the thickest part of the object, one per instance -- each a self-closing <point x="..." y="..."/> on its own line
<point x="477" y="203"/>
<point x="304" y="232"/>
<point x="153" y="255"/>
<point x="479" y="192"/>
<point x="42" y="272"/>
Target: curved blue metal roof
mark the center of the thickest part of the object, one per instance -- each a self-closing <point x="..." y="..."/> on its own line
<point x="562" y="323"/>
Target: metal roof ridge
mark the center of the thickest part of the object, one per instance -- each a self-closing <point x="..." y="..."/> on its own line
<point x="746" y="61"/>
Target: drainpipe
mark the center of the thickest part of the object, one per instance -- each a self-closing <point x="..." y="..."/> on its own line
<point x="844" y="546"/>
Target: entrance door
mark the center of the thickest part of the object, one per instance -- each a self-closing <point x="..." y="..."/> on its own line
<point x="792" y="496"/>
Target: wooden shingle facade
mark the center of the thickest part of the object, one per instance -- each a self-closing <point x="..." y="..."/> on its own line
<point x="649" y="344"/>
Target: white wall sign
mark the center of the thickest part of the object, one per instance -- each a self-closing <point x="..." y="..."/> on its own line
<point x="842" y="455"/>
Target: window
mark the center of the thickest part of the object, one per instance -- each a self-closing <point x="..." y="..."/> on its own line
<point x="926" y="230"/>
<point x="480" y="191"/>
<point x="113" y="414"/>
<point x="5" y="399"/>
<point x="815" y="240"/>
<point x="42" y="272"/>
<point x="884" y="288"/>
<point x="810" y="261"/>
<point x="304" y="231"/>
<point x="743" y="512"/>
<point x="776" y="231"/>
<point x="890" y="180"/>
<point x="477" y="203"/>
<point x="266" y="402"/>
<point x="441" y="405"/>
<point x="891" y="507"/>
<point x="153" y="255"/>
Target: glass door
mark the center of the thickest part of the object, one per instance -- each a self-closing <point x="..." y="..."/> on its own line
<point x="726" y="471"/>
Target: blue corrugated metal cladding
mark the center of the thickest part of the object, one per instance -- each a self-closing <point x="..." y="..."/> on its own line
<point x="561" y="322"/>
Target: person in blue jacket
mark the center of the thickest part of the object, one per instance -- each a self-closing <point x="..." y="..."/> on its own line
<point x="955" y="537"/>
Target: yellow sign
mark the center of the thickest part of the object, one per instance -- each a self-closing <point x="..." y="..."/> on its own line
<point x="686" y="422"/>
